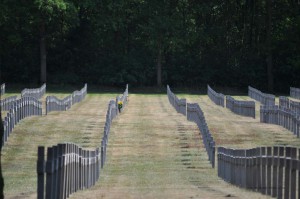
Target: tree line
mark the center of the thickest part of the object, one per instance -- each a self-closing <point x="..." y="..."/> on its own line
<point x="152" y="42"/>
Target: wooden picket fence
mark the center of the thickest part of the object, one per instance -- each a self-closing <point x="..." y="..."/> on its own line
<point x="290" y="104"/>
<point x="123" y="98"/>
<point x="295" y="92"/>
<point x="2" y="89"/>
<point x="68" y="167"/>
<point x="245" y="108"/>
<point x="55" y="104"/>
<point x="281" y="116"/>
<point x="7" y="103"/>
<point x="178" y="104"/>
<point x="78" y="96"/>
<point x="112" y="113"/>
<point x="273" y="171"/>
<point x="263" y="98"/>
<point x="34" y="92"/>
<point x="194" y="113"/>
<point x="20" y="109"/>
<point x="217" y="98"/>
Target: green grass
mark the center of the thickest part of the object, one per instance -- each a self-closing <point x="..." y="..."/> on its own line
<point x="83" y="124"/>
<point x="153" y="151"/>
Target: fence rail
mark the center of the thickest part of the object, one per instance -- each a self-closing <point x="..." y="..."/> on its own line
<point x="2" y="89"/>
<point x="264" y="98"/>
<point x="245" y="108"/>
<point x="280" y="116"/>
<point x="7" y="103"/>
<point x="55" y="104"/>
<point x="194" y="113"/>
<point x="34" y="92"/>
<point x="78" y="96"/>
<point x="290" y="104"/>
<point x="217" y="98"/>
<point x="20" y="109"/>
<point x="269" y="170"/>
<point x="178" y="104"/>
<point x="122" y="99"/>
<point x="68" y="167"/>
<point x="112" y="112"/>
<point x="295" y="92"/>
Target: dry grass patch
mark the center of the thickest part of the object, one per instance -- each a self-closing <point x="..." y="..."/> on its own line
<point x="83" y="124"/>
<point x="155" y="152"/>
<point x="236" y="131"/>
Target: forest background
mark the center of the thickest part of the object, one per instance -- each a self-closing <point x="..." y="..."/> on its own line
<point x="184" y="43"/>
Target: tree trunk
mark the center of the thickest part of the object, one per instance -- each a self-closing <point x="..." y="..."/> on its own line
<point x="269" y="61"/>
<point x="158" y="67"/>
<point x="43" y="53"/>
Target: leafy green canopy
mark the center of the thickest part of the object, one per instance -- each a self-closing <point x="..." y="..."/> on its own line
<point x="106" y="42"/>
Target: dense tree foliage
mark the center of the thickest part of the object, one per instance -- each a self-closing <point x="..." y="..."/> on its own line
<point x="143" y="42"/>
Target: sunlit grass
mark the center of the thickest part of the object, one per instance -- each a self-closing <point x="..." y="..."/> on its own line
<point x="83" y="124"/>
<point x="153" y="152"/>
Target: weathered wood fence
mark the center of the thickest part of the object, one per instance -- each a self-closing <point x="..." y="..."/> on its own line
<point x="178" y="104"/>
<point x="281" y="116"/>
<point x="68" y="168"/>
<point x="2" y="89"/>
<point x="194" y="113"/>
<point x="263" y="98"/>
<point x="273" y="171"/>
<point x="245" y="108"/>
<point x="55" y="104"/>
<point x="122" y="98"/>
<point x="20" y="109"/>
<point x="7" y="103"/>
<point x="290" y="104"/>
<point x="78" y="96"/>
<point x="34" y="92"/>
<point x="295" y="92"/>
<point x="217" y="98"/>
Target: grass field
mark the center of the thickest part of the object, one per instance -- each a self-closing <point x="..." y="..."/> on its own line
<point x="153" y="151"/>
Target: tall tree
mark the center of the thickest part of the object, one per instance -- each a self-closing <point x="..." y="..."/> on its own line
<point x="269" y="59"/>
<point x="46" y="10"/>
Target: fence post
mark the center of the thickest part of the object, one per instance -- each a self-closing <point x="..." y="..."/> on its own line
<point x="40" y="172"/>
<point x="293" y="172"/>
<point x="269" y="169"/>
<point x="55" y="171"/>
<point x="275" y="164"/>
<point x="263" y="170"/>
<point x="102" y="154"/>
<point x="298" y="173"/>
<point x="59" y="170"/>
<point x="287" y="172"/>
<point x="258" y="169"/>
<point x="49" y="171"/>
<point x="280" y="172"/>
